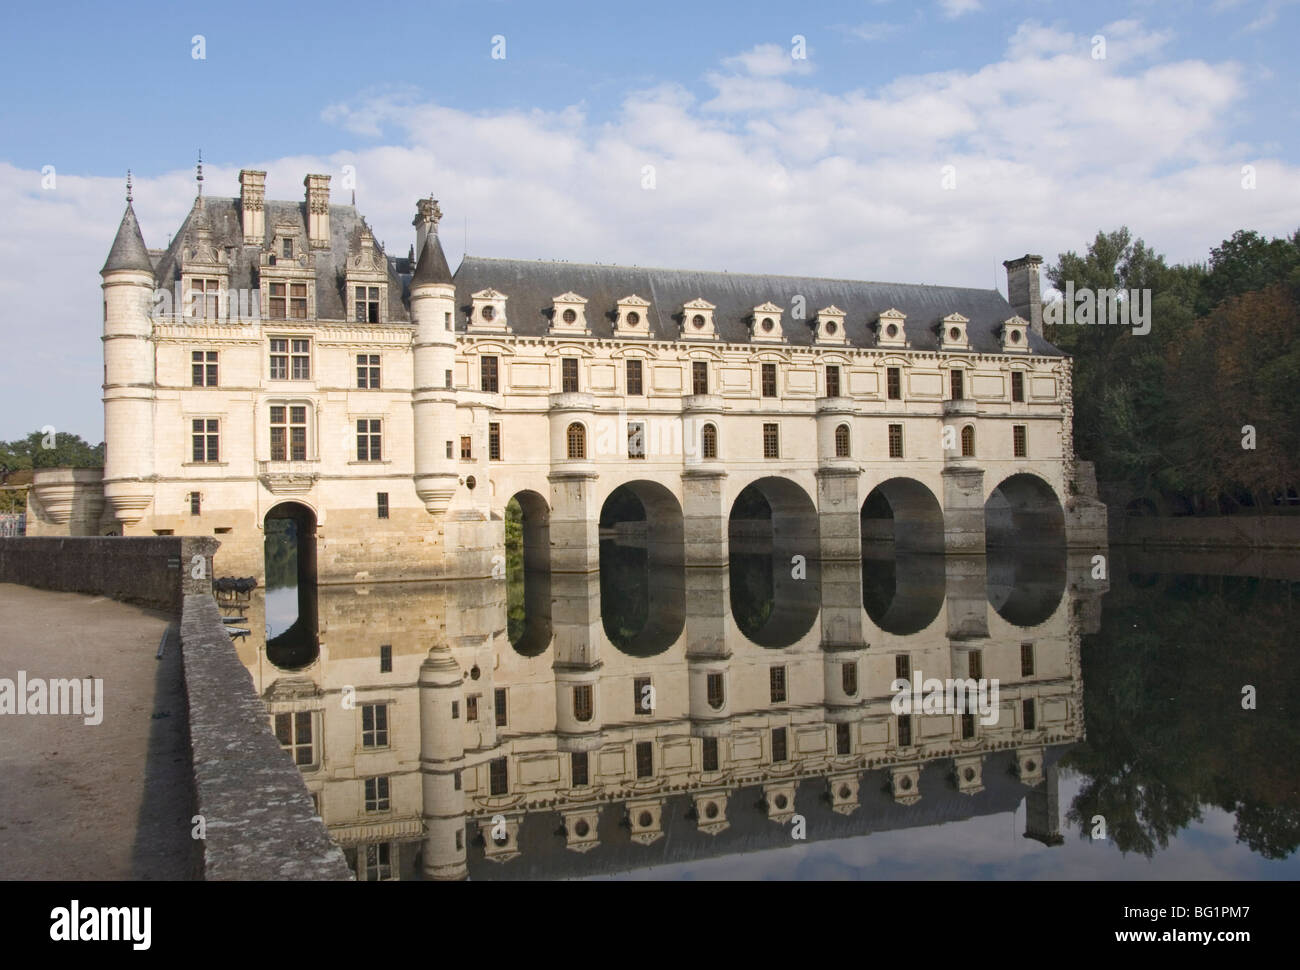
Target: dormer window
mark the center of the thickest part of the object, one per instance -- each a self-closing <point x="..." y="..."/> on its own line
<point x="286" y="248"/>
<point x="765" y="326"/>
<point x="489" y="314"/>
<point x="367" y="304"/>
<point x="830" y="325"/>
<point x="488" y="311"/>
<point x="288" y="301"/>
<point x="632" y="317"/>
<point x="890" y="331"/>
<point x="1015" y="336"/>
<point x="569" y="314"/>
<point x="952" y="332"/>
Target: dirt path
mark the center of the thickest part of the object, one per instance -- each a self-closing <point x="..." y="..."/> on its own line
<point x="83" y="801"/>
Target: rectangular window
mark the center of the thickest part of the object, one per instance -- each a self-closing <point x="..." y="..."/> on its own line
<point x="904" y="730"/>
<point x="849" y="678"/>
<point x="368" y="371"/>
<point x="379" y="862"/>
<point x="778" y="744"/>
<point x="466" y="447"/>
<point x="832" y="380"/>
<point x="967" y="727"/>
<point x="499" y="703"/>
<point x="957" y="383"/>
<point x="1017" y="385"/>
<point x="715" y="692"/>
<point x="381" y="501"/>
<point x="636" y="439"/>
<point x="699" y="377"/>
<point x="771" y="441"/>
<point x="494" y="441"/>
<point x="456" y="781"/>
<point x="279" y="358"/>
<point x="286" y="248"/>
<point x="645" y="759"/>
<point x="902" y="666"/>
<point x="895" y="441"/>
<point x="579" y="769"/>
<point x="446" y="379"/>
<point x="894" y="384"/>
<point x="471" y="707"/>
<point x="288" y="432"/>
<point x="367" y="304"/>
<point x="710" y="755"/>
<point x="487" y="374"/>
<point x="634" y="375"/>
<point x="205" y="298"/>
<point x="374" y="725"/>
<point x="195" y="503"/>
<point x="776" y="684"/>
<point x="569" y="375"/>
<point x="205" y="440"/>
<point x="277" y="306"/>
<point x="377" y="794"/>
<point x="386" y="658"/>
<point x="769" y="380"/>
<point x="203" y="368"/>
<point x="451" y="449"/>
<point x="975" y="664"/>
<point x="294" y="732"/>
<point x="1028" y="713"/>
<point x="1019" y="445"/>
<point x="370" y="439"/>
<point x="1026" y="660"/>
<point x="446" y="321"/>
<point x="843" y="739"/>
<point x="300" y="359"/>
<point x="498" y="777"/>
<point x="642" y="696"/>
<point x="455" y="716"/>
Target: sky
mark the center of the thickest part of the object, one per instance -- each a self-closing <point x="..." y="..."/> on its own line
<point x="884" y="140"/>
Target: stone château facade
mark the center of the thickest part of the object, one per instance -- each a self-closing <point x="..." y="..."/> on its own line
<point x="274" y="357"/>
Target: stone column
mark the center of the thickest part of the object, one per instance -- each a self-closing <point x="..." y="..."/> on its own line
<point x="838" y="513"/>
<point x="575" y="522"/>
<point x="1043" y="811"/>
<point x="705" y="516"/>
<point x="963" y="508"/>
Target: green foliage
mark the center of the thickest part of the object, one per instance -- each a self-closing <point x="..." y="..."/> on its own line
<point x="68" y="451"/>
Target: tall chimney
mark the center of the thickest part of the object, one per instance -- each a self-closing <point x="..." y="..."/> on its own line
<point x="252" y="197"/>
<point x="1024" y="292"/>
<point x="427" y="214"/>
<point x="318" y="210"/>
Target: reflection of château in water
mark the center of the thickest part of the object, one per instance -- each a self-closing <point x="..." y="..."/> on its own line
<point x="556" y="746"/>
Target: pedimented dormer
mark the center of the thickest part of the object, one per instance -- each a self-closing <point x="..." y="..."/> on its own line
<point x="890" y="331"/>
<point x="828" y="328"/>
<point x="366" y="297"/>
<point x="1015" y="335"/>
<point x="287" y="274"/>
<point x="488" y="312"/>
<point x="765" y="324"/>
<point x="205" y="272"/>
<point x="952" y="332"/>
<point x="569" y="314"/>
<point x="632" y="317"/>
<point x="697" y="320"/>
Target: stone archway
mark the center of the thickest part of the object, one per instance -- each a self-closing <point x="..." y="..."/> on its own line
<point x="642" y="572"/>
<point x="905" y="513"/>
<point x="289" y="560"/>
<point x="528" y="572"/>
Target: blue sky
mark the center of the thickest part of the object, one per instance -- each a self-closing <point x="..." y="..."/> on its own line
<point x="826" y="165"/>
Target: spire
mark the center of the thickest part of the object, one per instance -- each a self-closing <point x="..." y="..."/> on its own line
<point x="432" y="267"/>
<point x="199" y="179"/>
<point x="129" y="250"/>
<point x="128" y="186"/>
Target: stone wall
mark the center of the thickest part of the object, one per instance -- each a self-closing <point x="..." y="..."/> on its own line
<point x="152" y="571"/>
<point x="259" y="817"/>
<point x="1207" y="532"/>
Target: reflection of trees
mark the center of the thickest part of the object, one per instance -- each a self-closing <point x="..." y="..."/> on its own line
<point x="1166" y="732"/>
<point x="753" y="591"/>
<point x="624" y="594"/>
<point x="281" y="551"/>
<point x="514" y="522"/>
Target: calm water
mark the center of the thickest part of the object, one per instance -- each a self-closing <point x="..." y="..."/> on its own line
<point x="1120" y="707"/>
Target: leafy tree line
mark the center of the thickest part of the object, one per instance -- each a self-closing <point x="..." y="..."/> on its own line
<point x="68" y="450"/>
<point x="1162" y="414"/>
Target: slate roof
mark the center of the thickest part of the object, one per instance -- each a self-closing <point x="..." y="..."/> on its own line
<point x="544" y="854"/>
<point x="128" y="251"/>
<point x="432" y="267"/>
<point x="224" y="215"/>
<point x="531" y="286"/>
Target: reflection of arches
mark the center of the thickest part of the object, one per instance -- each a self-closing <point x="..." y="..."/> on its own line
<point x="528" y="578"/>
<point x="904" y="512"/>
<point x="1026" y="583"/>
<point x="290" y="563"/>
<point x="642" y="578"/>
<point x="775" y="598"/>
<point x="903" y="594"/>
<point x="1023" y="509"/>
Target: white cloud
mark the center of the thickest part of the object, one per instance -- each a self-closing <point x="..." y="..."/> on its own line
<point x="761" y="175"/>
<point x="768" y="60"/>
<point x="957" y="8"/>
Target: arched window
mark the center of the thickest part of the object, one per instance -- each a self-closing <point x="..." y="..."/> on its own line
<point x="968" y="441"/>
<point x="842" y="441"/>
<point x="582" y="706"/>
<point x="577" y="439"/>
<point x="709" y="442"/>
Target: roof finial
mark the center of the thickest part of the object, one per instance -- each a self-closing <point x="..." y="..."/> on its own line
<point x="199" y="177"/>
<point x="128" y="186"/>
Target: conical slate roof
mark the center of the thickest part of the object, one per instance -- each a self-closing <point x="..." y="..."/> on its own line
<point x="129" y="251"/>
<point x="432" y="267"/>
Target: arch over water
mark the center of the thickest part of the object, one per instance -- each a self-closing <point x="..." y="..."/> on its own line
<point x="1023" y="509"/>
<point x="289" y="549"/>
<point x="528" y="573"/>
<point x="905" y="513"/>
<point x="775" y="599"/>
<point x="642" y="572"/>
<point x="1024" y="526"/>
